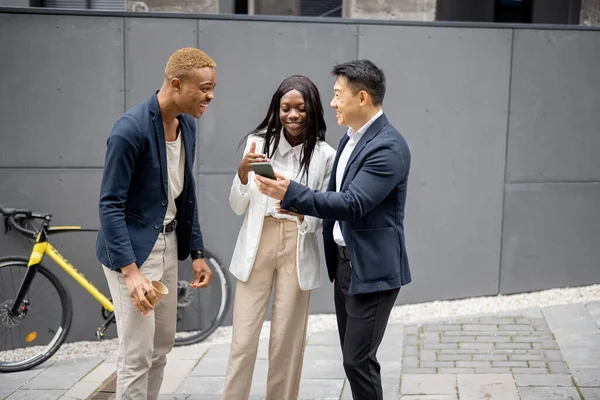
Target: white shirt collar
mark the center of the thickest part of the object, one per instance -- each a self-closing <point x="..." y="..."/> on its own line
<point x="355" y="136"/>
<point x="285" y="147"/>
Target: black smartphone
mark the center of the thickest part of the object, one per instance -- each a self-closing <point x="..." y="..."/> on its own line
<point x="264" y="169"/>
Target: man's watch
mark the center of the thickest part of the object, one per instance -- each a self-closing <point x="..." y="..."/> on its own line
<point x="196" y="254"/>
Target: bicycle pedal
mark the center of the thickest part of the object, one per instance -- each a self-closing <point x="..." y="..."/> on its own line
<point x="99" y="336"/>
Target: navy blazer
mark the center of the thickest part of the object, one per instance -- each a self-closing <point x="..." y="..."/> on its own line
<point x="369" y="208"/>
<point x="134" y="191"/>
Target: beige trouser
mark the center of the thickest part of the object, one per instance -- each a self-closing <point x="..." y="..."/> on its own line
<point x="145" y="341"/>
<point x="275" y="263"/>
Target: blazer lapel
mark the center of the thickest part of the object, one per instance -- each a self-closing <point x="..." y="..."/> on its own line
<point x="332" y="181"/>
<point x="160" y="141"/>
<point x="367" y="137"/>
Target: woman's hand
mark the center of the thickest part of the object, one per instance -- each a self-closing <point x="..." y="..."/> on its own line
<point x="246" y="165"/>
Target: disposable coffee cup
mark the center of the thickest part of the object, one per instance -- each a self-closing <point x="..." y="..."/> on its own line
<point x="160" y="291"/>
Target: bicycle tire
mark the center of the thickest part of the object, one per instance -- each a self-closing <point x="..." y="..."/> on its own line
<point x="61" y="332"/>
<point x="220" y="275"/>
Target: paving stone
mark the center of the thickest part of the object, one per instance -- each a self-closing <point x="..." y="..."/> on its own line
<point x="486" y="386"/>
<point x="214" y="367"/>
<point x="548" y="393"/>
<point x="442" y="328"/>
<point x="527" y="339"/>
<point x="440" y="346"/>
<point x="320" y="352"/>
<point x="456" y="339"/>
<point x="558" y="367"/>
<point x="461" y="351"/>
<point x="330" y="369"/>
<point x="327" y="338"/>
<point x="321" y="388"/>
<point x="513" y="346"/>
<point x="428" y="384"/>
<point x="456" y="371"/>
<point x="410" y="362"/>
<point x="63" y="374"/>
<point x="548" y="345"/>
<point x="203" y="385"/>
<point x="14" y="380"/>
<point x="493" y="339"/>
<point x="492" y="370"/>
<point x="526" y="357"/>
<point x="543" y="380"/>
<point x="473" y="364"/>
<point x="455" y="357"/>
<point x="32" y="394"/>
<point x="590" y="393"/>
<point x="411" y="330"/>
<point x="419" y="371"/>
<point x="537" y="364"/>
<point x="429" y="397"/>
<point x="526" y="328"/>
<point x="588" y="377"/>
<point x="428" y="355"/>
<point x="476" y="346"/>
<point x="529" y="370"/>
<point x="437" y="364"/>
<point x="496" y="320"/>
<point x="553" y="355"/>
<point x="480" y="328"/>
<point x="430" y="337"/>
<point x="411" y="339"/>
<point x="411" y="351"/>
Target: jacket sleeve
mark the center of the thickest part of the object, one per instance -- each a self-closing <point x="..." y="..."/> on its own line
<point x="239" y="195"/>
<point x="382" y="170"/>
<point x="123" y="146"/>
<point x="197" y="241"/>
<point x="312" y="224"/>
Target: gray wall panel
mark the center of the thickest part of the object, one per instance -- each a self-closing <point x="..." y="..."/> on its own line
<point x="448" y="94"/>
<point x="252" y="60"/>
<point x="72" y="197"/>
<point x="554" y="107"/>
<point x="149" y="44"/>
<point x="551" y="236"/>
<point x="64" y="77"/>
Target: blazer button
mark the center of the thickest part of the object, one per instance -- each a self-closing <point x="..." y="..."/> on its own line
<point x="157" y="226"/>
<point x="164" y="203"/>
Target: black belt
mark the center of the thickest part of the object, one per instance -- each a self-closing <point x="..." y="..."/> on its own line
<point x="170" y="227"/>
<point x="343" y="253"/>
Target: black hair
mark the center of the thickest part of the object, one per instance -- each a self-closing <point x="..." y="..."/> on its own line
<point x="270" y="127"/>
<point x="363" y="75"/>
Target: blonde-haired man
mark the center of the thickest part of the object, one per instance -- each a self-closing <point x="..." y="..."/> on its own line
<point x="149" y="217"/>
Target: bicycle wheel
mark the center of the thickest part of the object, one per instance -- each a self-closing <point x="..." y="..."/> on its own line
<point x="35" y="334"/>
<point x="201" y="311"/>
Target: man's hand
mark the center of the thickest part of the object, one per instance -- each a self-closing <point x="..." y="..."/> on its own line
<point x="139" y="289"/>
<point x="246" y="165"/>
<point x="271" y="187"/>
<point x="202" y="274"/>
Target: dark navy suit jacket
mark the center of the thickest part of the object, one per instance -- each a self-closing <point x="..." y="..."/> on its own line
<point x="134" y="191"/>
<point x="369" y="207"/>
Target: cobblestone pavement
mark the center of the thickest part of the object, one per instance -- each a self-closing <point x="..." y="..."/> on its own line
<point x="534" y="354"/>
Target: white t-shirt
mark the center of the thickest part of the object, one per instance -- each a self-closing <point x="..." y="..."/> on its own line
<point x="176" y="172"/>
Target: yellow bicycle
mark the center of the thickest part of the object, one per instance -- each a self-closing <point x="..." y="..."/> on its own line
<point x="36" y="309"/>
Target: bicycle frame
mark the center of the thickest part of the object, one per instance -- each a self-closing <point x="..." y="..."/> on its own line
<point x="43" y="247"/>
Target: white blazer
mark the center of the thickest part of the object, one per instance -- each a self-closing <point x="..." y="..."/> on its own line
<point x="253" y="204"/>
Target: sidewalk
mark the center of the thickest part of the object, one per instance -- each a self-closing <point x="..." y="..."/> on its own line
<point x="548" y="353"/>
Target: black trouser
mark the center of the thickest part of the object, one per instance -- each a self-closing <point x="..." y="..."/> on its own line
<point x="361" y="320"/>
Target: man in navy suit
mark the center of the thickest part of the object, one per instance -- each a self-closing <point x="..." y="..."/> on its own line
<point x="363" y="213"/>
<point x="149" y="218"/>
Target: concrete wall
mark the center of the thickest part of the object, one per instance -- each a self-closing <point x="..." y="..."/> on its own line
<point x="405" y="10"/>
<point x="503" y="194"/>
